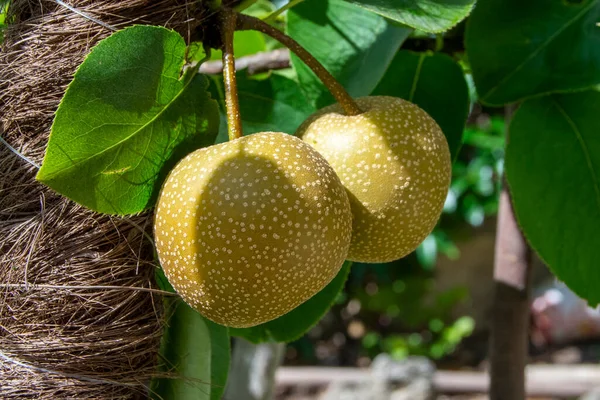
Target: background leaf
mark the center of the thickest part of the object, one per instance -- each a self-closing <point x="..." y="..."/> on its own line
<point x="195" y="349"/>
<point x="435" y="83"/>
<point x="518" y="49"/>
<point x="425" y="15"/>
<point x="355" y="45"/>
<point x="260" y="8"/>
<point x="553" y="171"/>
<point x="297" y="322"/>
<point x="125" y="119"/>
<point x="245" y="43"/>
<point x="274" y="104"/>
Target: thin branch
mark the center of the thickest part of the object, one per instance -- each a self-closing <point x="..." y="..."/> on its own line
<point x="255" y="63"/>
<point x="246" y="22"/>
<point x="234" y="121"/>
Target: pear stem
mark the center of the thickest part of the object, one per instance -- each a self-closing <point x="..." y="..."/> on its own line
<point x="234" y="120"/>
<point x="247" y="22"/>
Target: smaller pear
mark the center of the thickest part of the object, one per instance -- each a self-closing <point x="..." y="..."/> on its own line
<point x="395" y="163"/>
<point x="249" y="229"/>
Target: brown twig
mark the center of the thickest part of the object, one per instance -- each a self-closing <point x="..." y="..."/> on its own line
<point x="234" y="121"/>
<point x="254" y="64"/>
<point x="246" y="22"/>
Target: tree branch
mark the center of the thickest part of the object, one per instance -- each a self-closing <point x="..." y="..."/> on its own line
<point x="510" y="314"/>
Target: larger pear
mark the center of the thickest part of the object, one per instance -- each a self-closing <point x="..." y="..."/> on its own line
<point x="394" y="161"/>
<point x="249" y="229"/>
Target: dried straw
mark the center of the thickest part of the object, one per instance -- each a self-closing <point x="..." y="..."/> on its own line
<point x="80" y="315"/>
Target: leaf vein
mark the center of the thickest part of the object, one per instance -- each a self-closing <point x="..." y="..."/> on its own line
<point x="585" y="150"/>
<point x="134" y="133"/>
<point x="413" y="89"/>
<point x="534" y="53"/>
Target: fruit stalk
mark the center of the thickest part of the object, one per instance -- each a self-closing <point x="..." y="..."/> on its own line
<point x="246" y="22"/>
<point x="234" y="121"/>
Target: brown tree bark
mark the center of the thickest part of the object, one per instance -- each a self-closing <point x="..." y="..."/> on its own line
<point x="510" y="313"/>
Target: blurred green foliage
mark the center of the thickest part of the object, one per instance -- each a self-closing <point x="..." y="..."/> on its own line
<point x="440" y="340"/>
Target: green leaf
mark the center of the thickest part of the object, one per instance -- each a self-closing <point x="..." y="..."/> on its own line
<point x="355" y="45"/>
<point x="196" y="350"/>
<point x="519" y="49"/>
<point x="426" y="15"/>
<point x="125" y="119"/>
<point x="553" y="171"/>
<point x="260" y="9"/>
<point x="435" y="83"/>
<point x="274" y="104"/>
<point x="297" y="322"/>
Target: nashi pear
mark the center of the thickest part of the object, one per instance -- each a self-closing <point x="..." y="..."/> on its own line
<point x="395" y="163"/>
<point x="249" y="229"/>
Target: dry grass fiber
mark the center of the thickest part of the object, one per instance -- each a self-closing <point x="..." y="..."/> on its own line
<point x="74" y="322"/>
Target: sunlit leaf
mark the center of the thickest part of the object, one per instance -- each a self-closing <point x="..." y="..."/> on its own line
<point x="355" y="45"/>
<point x="125" y="119"/>
<point x="425" y="15"/>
